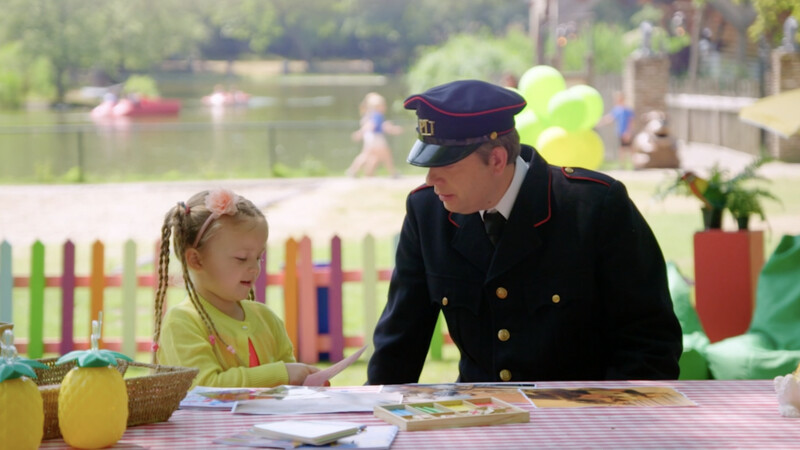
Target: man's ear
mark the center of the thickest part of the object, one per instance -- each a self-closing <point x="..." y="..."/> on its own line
<point x="193" y="259"/>
<point x="498" y="158"/>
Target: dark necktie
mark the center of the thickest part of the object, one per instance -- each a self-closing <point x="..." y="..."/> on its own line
<point x="493" y="222"/>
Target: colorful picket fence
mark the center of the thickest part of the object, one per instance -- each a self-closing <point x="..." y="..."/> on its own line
<point x="299" y="278"/>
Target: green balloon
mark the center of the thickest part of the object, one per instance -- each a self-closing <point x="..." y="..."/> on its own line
<point x="538" y="84"/>
<point x="567" y="110"/>
<point x="594" y="105"/>
<point x="529" y="126"/>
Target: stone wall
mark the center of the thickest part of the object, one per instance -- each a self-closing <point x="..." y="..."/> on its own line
<point x="645" y="85"/>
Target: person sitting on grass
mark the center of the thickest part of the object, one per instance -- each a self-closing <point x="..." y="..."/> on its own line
<point x="220" y="239"/>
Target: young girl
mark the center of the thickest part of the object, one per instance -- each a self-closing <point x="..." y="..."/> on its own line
<point x="374" y="127"/>
<point x="220" y="240"/>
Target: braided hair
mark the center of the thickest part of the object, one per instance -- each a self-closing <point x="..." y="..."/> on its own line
<point x="192" y="224"/>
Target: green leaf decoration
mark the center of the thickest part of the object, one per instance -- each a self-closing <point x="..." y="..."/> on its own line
<point x="10" y="369"/>
<point x="5" y="372"/>
<point x="11" y="366"/>
<point x="93" y="358"/>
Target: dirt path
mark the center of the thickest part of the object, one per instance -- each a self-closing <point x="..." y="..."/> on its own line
<point x="117" y="212"/>
<point x="317" y="207"/>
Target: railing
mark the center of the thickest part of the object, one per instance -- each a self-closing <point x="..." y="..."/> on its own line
<point x="713" y="119"/>
<point x="300" y="280"/>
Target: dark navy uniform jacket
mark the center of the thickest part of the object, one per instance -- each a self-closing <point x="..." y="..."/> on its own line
<point x="576" y="288"/>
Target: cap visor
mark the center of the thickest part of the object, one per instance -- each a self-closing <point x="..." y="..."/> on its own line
<point x="433" y="155"/>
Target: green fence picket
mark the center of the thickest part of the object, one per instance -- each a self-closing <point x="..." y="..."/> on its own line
<point x="36" y="327"/>
<point x="6" y="283"/>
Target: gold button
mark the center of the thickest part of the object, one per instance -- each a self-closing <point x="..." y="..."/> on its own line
<point x="556" y="298"/>
<point x="505" y="375"/>
<point x="445" y="301"/>
<point x="501" y="293"/>
<point x="503" y="335"/>
<point x="569" y="169"/>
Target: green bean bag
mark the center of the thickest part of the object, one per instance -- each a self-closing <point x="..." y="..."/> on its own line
<point x="692" y="363"/>
<point x="771" y="346"/>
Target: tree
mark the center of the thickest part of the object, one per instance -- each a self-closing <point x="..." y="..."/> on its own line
<point x="770" y="16"/>
<point x="67" y="33"/>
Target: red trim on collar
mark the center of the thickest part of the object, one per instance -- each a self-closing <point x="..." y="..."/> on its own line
<point x="549" y="199"/>
<point x="573" y="177"/>
<point x="450" y="218"/>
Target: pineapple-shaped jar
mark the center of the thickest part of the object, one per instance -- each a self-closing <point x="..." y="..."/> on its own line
<point x="93" y="398"/>
<point x="21" y="410"/>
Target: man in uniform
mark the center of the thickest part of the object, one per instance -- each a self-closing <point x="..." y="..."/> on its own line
<point x="542" y="272"/>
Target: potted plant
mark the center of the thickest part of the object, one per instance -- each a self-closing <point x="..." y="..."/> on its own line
<point x="743" y="203"/>
<point x="719" y="191"/>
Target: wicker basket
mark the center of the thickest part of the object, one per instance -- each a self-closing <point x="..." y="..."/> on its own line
<point x="151" y="398"/>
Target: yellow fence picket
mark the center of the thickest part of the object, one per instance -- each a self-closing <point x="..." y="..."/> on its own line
<point x="290" y="307"/>
<point x="307" y="305"/>
<point x="97" y="285"/>
<point x="129" y="288"/>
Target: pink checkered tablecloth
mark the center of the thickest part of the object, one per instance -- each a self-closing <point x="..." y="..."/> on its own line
<point x="729" y="414"/>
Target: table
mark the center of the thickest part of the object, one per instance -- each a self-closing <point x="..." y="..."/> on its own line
<point x="729" y="413"/>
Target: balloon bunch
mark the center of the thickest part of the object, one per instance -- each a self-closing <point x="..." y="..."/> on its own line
<point x="559" y="122"/>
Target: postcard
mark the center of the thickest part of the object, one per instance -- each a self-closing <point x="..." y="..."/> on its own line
<point x="224" y="398"/>
<point x="591" y="396"/>
<point x="414" y="393"/>
<point x="374" y="437"/>
<point x="332" y="401"/>
<point x="319" y="378"/>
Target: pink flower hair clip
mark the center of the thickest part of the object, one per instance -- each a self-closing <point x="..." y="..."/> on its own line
<point x="219" y="202"/>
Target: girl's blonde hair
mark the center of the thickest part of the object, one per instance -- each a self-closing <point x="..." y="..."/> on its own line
<point x="192" y="224"/>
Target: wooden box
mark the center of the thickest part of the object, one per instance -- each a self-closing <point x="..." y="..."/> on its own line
<point x="451" y="414"/>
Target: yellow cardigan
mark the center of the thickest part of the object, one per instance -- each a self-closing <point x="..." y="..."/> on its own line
<point x="184" y="342"/>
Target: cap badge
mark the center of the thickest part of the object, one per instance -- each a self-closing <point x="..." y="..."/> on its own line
<point x="426" y="127"/>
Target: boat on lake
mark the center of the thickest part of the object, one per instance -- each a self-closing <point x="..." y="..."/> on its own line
<point x="141" y="107"/>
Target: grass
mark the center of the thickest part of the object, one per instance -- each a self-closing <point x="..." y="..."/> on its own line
<point x="674" y="222"/>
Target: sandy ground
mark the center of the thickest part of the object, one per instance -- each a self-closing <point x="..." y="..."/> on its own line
<point x="316" y="207"/>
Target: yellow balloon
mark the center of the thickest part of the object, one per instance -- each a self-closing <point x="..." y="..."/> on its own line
<point x="590" y="152"/>
<point x="580" y="149"/>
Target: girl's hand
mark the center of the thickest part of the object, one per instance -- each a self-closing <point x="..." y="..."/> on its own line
<point x="298" y="372"/>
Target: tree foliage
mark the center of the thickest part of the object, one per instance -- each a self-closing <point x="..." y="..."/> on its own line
<point x="61" y="39"/>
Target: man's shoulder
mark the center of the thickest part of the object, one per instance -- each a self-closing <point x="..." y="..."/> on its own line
<point x="579" y="175"/>
<point x="421" y="192"/>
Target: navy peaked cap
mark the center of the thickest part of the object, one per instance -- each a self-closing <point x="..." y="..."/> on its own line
<point x="456" y="118"/>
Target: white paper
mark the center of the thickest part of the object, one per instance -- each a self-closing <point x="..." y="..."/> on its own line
<point x="319" y="378"/>
<point x="335" y="401"/>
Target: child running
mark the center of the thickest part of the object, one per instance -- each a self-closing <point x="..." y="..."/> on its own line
<point x="220" y="240"/>
<point x="374" y="127"/>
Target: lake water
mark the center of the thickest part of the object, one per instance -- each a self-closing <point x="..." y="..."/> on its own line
<point x="301" y="122"/>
